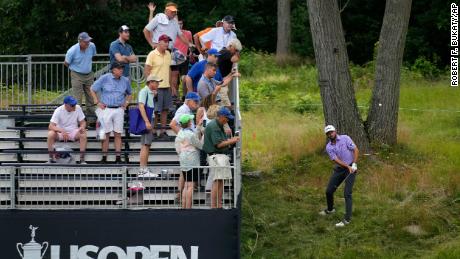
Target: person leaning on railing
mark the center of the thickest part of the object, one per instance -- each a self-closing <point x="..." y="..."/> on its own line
<point x="217" y="146"/>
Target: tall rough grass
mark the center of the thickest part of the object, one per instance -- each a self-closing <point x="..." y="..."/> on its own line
<point x="406" y="197"/>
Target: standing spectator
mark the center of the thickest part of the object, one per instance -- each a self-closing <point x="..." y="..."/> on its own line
<point x="187" y="145"/>
<point x="207" y="45"/>
<point x="157" y="64"/>
<point x="115" y="93"/>
<point x="197" y="70"/>
<point x="67" y="124"/>
<point x="146" y="98"/>
<point x="220" y="37"/>
<point x="191" y="104"/>
<point x="152" y="8"/>
<point x="181" y="69"/>
<point x="344" y="153"/>
<point x="229" y="56"/>
<point x="121" y="52"/>
<point x="209" y="86"/>
<point x="216" y="145"/>
<point x="165" y="23"/>
<point x="79" y="59"/>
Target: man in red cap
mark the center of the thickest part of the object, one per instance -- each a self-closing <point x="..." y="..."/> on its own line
<point x="157" y="64"/>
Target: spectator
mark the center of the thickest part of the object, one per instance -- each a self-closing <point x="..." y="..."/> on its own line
<point x="209" y="86"/>
<point x="220" y="37"/>
<point x="152" y="8"/>
<point x="181" y="69"/>
<point x="157" y="64"/>
<point x="191" y="104"/>
<point x="187" y="146"/>
<point x="67" y="124"/>
<point x="197" y="70"/>
<point x="115" y="93"/>
<point x="121" y="52"/>
<point x="229" y="56"/>
<point x="146" y="98"/>
<point x="216" y="145"/>
<point x="165" y="23"/>
<point x="207" y="45"/>
<point x="79" y="59"/>
<point x="344" y="153"/>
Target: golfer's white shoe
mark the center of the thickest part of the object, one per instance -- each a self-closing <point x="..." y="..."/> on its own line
<point x="342" y="223"/>
<point x="326" y="212"/>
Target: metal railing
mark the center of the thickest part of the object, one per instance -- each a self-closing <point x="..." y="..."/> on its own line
<point x="43" y="187"/>
<point x="43" y="78"/>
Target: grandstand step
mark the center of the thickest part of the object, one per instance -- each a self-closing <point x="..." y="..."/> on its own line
<point x="5" y="122"/>
<point x="94" y="144"/>
<point x="43" y="133"/>
<point x="9" y="144"/>
<point x="5" y="157"/>
<point x="66" y="196"/>
<point x="8" y="134"/>
<point x="96" y="157"/>
<point x="5" y="196"/>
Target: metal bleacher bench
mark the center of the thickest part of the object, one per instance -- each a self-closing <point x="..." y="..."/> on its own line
<point x="24" y="153"/>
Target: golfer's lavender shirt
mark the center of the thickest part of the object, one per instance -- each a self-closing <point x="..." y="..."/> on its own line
<point x="342" y="149"/>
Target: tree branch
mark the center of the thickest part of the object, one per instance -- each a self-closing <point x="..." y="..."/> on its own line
<point x="345" y="6"/>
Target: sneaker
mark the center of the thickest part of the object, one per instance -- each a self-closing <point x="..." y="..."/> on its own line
<point x="83" y="163"/>
<point x="51" y="161"/>
<point x="148" y="174"/>
<point x="342" y="223"/>
<point x="326" y="212"/>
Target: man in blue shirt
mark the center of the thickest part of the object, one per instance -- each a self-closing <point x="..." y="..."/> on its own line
<point x="115" y="94"/>
<point x="79" y="59"/>
<point x="120" y="51"/>
<point x="197" y="70"/>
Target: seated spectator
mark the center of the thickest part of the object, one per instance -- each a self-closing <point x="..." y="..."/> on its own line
<point x="220" y="37"/>
<point x="146" y="98"/>
<point x="187" y="145"/>
<point x="217" y="146"/>
<point x="209" y="86"/>
<point x="197" y="70"/>
<point x="67" y="124"/>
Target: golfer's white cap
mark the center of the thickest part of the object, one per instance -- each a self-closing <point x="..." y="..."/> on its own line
<point x="328" y="128"/>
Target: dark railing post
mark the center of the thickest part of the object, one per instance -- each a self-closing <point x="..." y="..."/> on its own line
<point x="29" y="79"/>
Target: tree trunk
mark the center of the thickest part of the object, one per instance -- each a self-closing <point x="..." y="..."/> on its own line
<point x="382" y="120"/>
<point x="337" y="93"/>
<point x="284" y="29"/>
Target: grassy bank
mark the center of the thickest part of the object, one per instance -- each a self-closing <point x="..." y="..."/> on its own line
<point x="406" y="198"/>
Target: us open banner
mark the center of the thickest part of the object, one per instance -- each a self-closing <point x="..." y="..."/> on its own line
<point x="119" y="234"/>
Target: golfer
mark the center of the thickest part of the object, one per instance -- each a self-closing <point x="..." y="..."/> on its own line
<point x="344" y="153"/>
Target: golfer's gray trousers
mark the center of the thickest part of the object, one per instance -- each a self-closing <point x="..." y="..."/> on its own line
<point x="338" y="176"/>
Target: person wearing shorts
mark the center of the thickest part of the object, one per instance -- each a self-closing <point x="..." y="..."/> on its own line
<point x="67" y="124"/>
<point x="146" y="99"/>
<point x="158" y="64"/>
<point x="188" y="147"/>
<point x="115" y="94"/>
<point x="216" y="145"/>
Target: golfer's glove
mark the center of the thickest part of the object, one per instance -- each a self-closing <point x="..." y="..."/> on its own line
<point x="354" y="166"/>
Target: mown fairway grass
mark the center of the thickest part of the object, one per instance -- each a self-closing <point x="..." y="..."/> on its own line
<point x="406" y="198"/>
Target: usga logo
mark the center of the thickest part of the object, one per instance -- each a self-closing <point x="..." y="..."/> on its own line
<point x="34" y="250"/>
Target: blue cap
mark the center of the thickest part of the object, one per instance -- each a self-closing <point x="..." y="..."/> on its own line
<point x="214" y="52"/>
<point x="225" y="112"/>
<point x="83" y="36"/>
<point x="193" y="96"/>
<point x="70" y="100"/>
